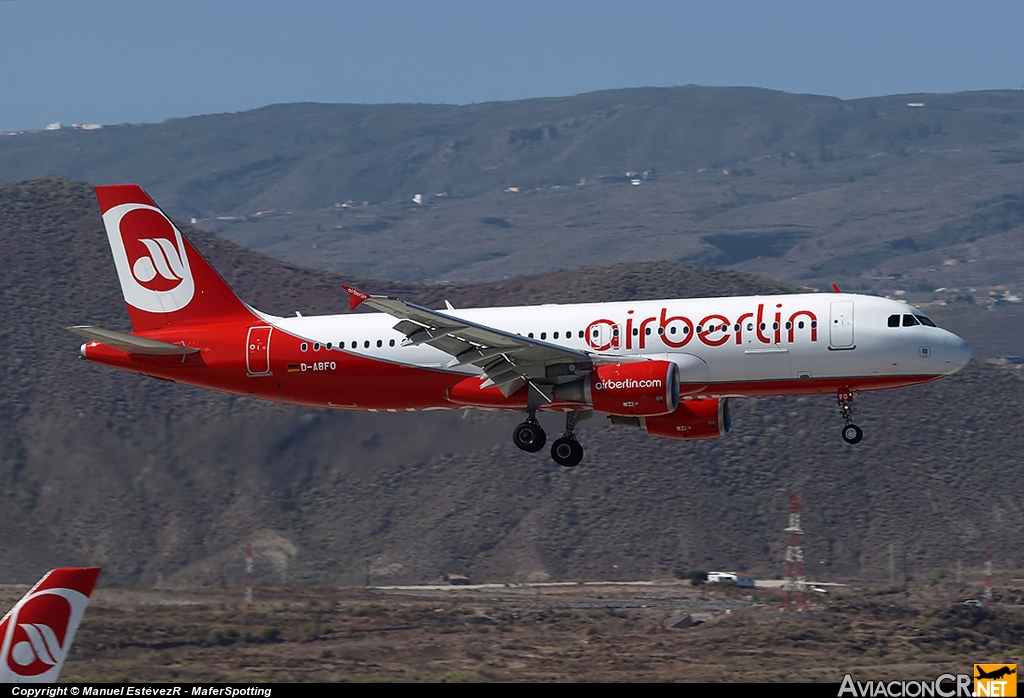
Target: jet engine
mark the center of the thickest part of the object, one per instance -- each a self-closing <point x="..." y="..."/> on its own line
<point x="692" y="420"/>
<point x="641" y="389"/>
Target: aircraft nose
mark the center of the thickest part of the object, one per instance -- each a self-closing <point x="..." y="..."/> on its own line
<point x="958" y="354"/>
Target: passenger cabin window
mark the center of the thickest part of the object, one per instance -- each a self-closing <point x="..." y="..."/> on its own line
<point x="909" y="320"/>
<point x="894" y="321"/>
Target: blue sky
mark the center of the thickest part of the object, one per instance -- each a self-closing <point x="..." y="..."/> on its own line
<point x="114" y="62"/>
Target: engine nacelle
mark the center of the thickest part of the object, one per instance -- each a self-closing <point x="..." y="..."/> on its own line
<point x="638" y="389"/>
<point x="692" y="420"/>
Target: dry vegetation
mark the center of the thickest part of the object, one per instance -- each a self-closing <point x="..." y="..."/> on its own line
<point x="156" y="481"/>
<point x="523" y="633"/>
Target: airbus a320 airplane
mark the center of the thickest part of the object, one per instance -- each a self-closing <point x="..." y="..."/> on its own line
<point x="667" y="366"/>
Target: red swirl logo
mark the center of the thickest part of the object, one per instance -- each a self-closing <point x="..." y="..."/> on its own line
<point x="38" y="643"/>
<point x="149" y="244"/>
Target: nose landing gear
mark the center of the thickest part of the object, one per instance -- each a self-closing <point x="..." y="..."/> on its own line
<point x="852" y="434"/>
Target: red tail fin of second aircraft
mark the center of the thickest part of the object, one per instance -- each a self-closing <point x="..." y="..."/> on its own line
<point x="164" y="279"/>
<point x="37" y="633"/>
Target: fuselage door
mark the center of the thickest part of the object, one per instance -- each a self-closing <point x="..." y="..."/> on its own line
<point x="257" y="355"/>
<point x="840" y="327"/>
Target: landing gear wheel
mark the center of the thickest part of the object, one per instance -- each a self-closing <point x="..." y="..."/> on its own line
<point x="851" y="432"/>
<point x="567" y="452"/>
<point x="529" y="436"/>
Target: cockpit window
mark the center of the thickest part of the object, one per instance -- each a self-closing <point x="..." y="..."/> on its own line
<point x="894" y="321"/>
<point x="910" y="320"/>
<point x="925" y="321"/>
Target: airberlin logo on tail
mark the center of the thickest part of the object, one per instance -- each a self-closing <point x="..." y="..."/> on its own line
<point x="163" y="260"/>
<point x="150" y="257"/>
<point x="37" y="634"/>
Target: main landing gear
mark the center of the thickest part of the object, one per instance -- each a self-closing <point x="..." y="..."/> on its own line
<point x="852" y="434"/>
<point x="529" y="436"/>
<point x="566" y="450"/>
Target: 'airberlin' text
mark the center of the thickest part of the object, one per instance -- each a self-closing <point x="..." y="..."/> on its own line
<point x="713" y="330"/>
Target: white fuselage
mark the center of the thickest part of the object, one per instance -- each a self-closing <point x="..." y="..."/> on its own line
<point x="715" y="341"/>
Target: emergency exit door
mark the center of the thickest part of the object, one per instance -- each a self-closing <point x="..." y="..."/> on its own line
<point x="257" y="355"/>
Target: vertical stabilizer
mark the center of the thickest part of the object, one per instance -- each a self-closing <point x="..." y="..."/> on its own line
<point x="164" y="279"/>
<point x="37" y="633"/>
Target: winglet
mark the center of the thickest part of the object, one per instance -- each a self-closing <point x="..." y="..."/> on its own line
<point x="355" y="297"/>
<point x="835" y="289"/>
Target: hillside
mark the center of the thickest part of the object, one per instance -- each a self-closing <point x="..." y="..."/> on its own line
<point x="161" y="483"/>
<point x="871" y="193"/>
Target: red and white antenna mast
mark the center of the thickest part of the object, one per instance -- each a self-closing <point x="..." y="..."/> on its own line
<point x="796" y="582"/>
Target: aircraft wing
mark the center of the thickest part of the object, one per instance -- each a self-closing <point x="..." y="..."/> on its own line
<point x="509" y="360"/>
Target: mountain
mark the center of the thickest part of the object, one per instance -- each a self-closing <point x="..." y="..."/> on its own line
<point x="164" y="484"/>
<point x="912" y="192"/>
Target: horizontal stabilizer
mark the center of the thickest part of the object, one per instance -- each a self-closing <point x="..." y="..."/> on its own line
<point x="131" y="344"/>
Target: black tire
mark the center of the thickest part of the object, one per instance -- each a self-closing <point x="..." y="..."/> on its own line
<point x="567" y="452"/>
<point x="852" y="434"/>
<point x="529" y="436"/>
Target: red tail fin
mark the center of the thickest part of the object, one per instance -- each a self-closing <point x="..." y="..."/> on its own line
<point x="164" y="279"/>
<point x="37" y="633"/>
